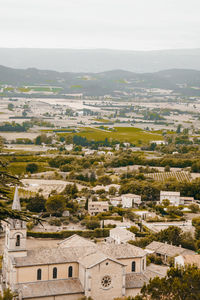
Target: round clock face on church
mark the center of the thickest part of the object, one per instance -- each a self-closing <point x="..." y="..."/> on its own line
<point x="106" y="281"/>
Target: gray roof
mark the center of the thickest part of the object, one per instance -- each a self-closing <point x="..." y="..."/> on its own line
<point x="16" y="202"/>
<point x="154" y="245"/>
<point x="123" y="233"/>
<point x="95" y="258"/>
<point x="87" y="255"/>
<point x="137" y="280"/>
<point x="192" y="260"/>
<point x="167" y="249"/>
<point x="75" y="241"/>
<point x="43" y="256"/>
<point x="121" y="250"/>
<point x="49" y="288"/>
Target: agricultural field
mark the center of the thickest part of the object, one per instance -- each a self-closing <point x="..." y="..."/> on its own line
<point x="45" y="89"/>
<point x="103" y="120"/>
<point x="163" y="176"/>
<point x="132" y="135"/>
<point x="45" y="187"/>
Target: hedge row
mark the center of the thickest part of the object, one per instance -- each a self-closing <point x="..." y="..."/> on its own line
<point x="141" y="234"/>
<point x="96" y="233"/>
<point x="165" y="220"/>
<point x="86" y="184"/>
<point x="115" y="218"/>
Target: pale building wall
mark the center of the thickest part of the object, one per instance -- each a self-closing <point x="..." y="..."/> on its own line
<point x="62" y="270"/>
<point x="45" y="298"/>
<point x="132" y="292"/>
<point x="82" y="275"/>
<point x="137" y="199"/>
<point x="60" y="297"/>
<point x="95" y="207"/>
<point x="117" y="237"/>
<point x="11" y="235"/>
<point x="112" y="269"/>
<point x="69" y="297"/>
<point x="179" y="261"/>
<point x="29" y="274"/>
<point x="13" y="275"/>
<point x="173" y="198"/>
<point x="138" y="264"/>
<point x="127" y="202"/>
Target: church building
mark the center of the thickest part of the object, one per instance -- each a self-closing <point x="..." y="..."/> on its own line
<point x="75" y="268"/>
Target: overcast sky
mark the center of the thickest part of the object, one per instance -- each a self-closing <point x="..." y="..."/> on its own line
<point x="114" y="24"/>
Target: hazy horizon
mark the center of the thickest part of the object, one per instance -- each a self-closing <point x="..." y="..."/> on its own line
<point x="99" y="60"/>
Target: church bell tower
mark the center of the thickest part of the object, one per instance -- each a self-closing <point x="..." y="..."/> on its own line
<point x="15" y="239"/>
<point x="15" y="244"/>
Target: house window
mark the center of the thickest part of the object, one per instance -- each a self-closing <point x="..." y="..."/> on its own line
<point x="39" y="274"/>
<point x="54" y="273"/>
<point x="133" y="266"/>
<point x="70" y="271"/>
<point x="18" y="240"/>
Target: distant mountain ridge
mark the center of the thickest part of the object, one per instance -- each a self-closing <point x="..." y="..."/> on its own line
<point x="100" y="60"/>
<point x="108" y="82"/>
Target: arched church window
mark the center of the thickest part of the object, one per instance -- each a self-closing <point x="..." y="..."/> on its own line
<point x="54" y="273"/>
<point x="39" y="274"/>
<point x="70" y="271"/>
<point x="18" y="240"/>
<point x="133" y="266"/>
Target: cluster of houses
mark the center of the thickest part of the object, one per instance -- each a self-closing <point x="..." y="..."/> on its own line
<point x="126" y="201"/>
<point x="77" y="267"/>
<point x="131" y="200"/>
